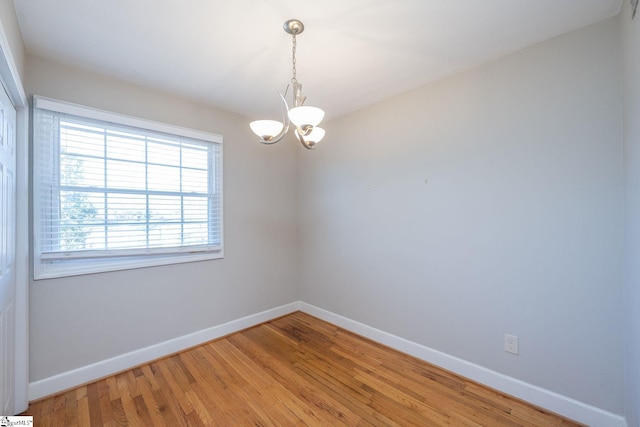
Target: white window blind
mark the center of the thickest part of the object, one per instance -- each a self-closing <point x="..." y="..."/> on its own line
<point x="114" y="192"/>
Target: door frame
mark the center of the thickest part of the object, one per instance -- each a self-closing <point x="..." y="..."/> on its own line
<point x="10" y="78"/>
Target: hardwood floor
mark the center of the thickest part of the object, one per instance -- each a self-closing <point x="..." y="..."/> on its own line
<point x="296" y="370"/>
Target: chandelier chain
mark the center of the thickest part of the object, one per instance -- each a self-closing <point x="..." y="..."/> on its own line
<point x="293" y="51"/>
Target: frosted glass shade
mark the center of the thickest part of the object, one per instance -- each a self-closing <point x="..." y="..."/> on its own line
<point x="266" y="129"/>
<point x="316" y="135"/>
<point x="302" y="116"/>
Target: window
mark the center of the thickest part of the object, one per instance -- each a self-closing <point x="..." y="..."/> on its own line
<point x="114" y="192"/>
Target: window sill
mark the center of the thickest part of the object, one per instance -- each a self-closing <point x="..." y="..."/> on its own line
<point x="51" y="270"/>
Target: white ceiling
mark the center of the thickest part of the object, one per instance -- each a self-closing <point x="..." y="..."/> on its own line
<point x="234" y="53"/>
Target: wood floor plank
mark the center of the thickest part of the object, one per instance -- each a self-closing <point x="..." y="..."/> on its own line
<point x="296" y="385"/>
<point x="84" y="415"/>
<point x="127" y="403"/>
<point x="177" y="392"/>
<point x="150" y="402"/>
<point x="240" y="413"/>
<point x="292" y="371"/>
<point x="105" y="403"/>
<point x="200" y="408"/>
<point x="354" y="400"/>
<point x="119" y="417"/>
<point x="268" y="392"/>
<point x="259" y="397"/>
<point x="93" y="405"/>
<point x="170" y="411"/>
<point x="212" y="387"/>
<point x="71" y="408"/>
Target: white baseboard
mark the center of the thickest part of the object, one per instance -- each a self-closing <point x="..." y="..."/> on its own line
<point x="538" y="396"/>
<point x="104" y="368"/>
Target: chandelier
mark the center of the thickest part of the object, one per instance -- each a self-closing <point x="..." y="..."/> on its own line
<point x="305" y="119"/>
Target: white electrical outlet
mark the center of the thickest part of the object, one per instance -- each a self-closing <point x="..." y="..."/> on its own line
<point x="511" y="343"/>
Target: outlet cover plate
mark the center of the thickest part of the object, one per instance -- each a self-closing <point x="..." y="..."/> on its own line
<point x="511" y="344"/>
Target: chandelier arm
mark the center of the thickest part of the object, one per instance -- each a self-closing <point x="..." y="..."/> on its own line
<point x="285" y="120"/>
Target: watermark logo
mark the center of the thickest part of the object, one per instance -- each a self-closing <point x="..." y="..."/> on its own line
<point x="6" y="421"/>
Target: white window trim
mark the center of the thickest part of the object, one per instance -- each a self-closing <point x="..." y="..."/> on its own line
<point x="123" y="260"/>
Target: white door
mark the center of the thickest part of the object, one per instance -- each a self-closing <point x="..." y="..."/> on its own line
<point x="7" y="253"/>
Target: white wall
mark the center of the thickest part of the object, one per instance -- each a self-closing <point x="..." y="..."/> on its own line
<point x="81" y="320"/>
<point x="12" y="32"/>
<point x="631" y="95"/>
<point x="518" y="230"/>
